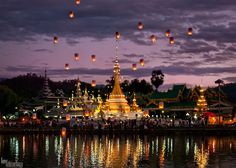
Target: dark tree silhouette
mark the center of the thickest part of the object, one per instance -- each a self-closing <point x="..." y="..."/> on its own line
<point x="157" y="78"/>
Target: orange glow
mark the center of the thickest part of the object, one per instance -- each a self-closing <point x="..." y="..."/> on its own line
<point x="76" y="56"/>
<point x="190" y="31"/>
<point x="71" y="15"/>
<point x="77" y="2"/>
<point x="86" y="113"/>
<point x="117" y="35"/>
<point x="141" y="61"/>
<point x="167" y="33"/>
<point x="93" y="57"/>
<point x="34" y="116"/>
<point x="172" y="41"/>
<point x="134" y="67"/>
<point x="161" y="105"/>
<point x="93" y="84"/>
<point x="153" y="38"/>
<point x="140" y="25"/>
<point x="55" y="40"/>
<point x="63" y="131"/>
<point x="145" y="114"/>
<point x="65" y="103"/>
<point x="67" y="66"/>
<point x="67" y="117"/>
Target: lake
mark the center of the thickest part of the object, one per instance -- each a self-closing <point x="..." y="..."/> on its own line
<point x="118" y="151"/>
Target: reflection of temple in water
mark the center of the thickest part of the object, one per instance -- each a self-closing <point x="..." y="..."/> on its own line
<point x="118" y="151"/>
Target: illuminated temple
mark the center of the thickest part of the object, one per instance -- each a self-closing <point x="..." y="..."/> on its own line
<point x="116" y="105"/>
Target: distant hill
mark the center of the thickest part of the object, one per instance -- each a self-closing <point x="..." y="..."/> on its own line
<point x="2" y="79"/>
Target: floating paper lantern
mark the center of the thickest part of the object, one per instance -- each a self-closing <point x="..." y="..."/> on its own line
<point x="190" y="31"/>
<point x="77" y="2"/>
<point x="141" y="61"/>
<point x="67" y="66"/>
<point x="63" y="131"/>
<point x="140" y="25"/>
<point x="167" y="33"/>
<point x="161" y="105"/>
<point x="117" y="35"/>
<point x="71" y="15"/>
<point x="171" y="40"/>
<point x="134" y="67"/>
<point x="93" y="84"/>
<point x="34" y="116"/>
<point x="153" y="38"/>
<point x="76" y="56"/>
<point x="67" y="117"/>
<point x="55" y="40"/>
<point x="65" y="103"/>
<point x="93" y="57"/>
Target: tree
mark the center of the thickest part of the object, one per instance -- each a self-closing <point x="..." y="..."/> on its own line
<point x="157" y="78"/>
<point x="8" y="100"/>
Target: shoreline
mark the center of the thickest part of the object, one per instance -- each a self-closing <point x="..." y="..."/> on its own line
<point x="156" y="131"/>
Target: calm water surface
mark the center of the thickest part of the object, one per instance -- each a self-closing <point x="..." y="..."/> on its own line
<point x="119" y="151"/>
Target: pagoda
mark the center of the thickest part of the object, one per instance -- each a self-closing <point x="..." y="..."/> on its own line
<point x="201" y="103"/>
<point x="116" y="105"/>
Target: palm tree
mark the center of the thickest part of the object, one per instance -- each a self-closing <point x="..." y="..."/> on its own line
<point x="219" y="82"/>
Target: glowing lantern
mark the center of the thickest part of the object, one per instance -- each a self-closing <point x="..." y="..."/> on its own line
<point x="77" y="2"/>
<point x="140" y="25"/>
<point x="55" y="40"/>
<point x="134" y="67"/>
<point x="34" y="116"/>
<point x="93" y="57"/>
<point x="76" y="56"/>
<point x="117" y="35"/>
<point x="161" y="105"/>
<point x="153" y="38"/>
<point x="86" y="113"/>
<point x="67" y="66"/>
<point x="93" y="84"/>
<point x="67" y="117"/>
<point x="167" y="33"/>
<point x="141" y="61"/>
<point x="190" y="31"/>
<point x="65" y="103"/>
<point x="145" y="114"/>
<point x="171" y="41"/>
<point x="63" y="131"/>
<point x="71" y="15"/>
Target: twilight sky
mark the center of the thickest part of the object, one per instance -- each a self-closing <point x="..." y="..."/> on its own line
<point x="27" y="28"/>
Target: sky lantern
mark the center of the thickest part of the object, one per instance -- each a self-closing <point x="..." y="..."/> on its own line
<point x="141" y="61"/>
<point x="55" y="40"/>
<point x="67" y="117"/>
<point x="93" y="84"/>
<point x="140" y="25"/>
<point x="67" y="66"/>
<point x="171" y="40"/>
<point x="161" y="105"/>
<point x="63" y="131"/>
<point x="76" y="56"/>
<point x="190" y="31"/>
<point x="65" y="103"/>
<point x="34" y="116"/>
<point x="167" y="33"/>
<point x="117" y="35"/>
<point x="93" y="57"/>
<point x="77" y="2"/>
<point x="153" y="38"/>
<point x="71" y="15"/>
<point x="134" y="67"/>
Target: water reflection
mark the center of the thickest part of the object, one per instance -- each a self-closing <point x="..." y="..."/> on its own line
<point x="119" y="151"/>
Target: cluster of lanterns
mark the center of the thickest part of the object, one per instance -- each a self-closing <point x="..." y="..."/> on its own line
<point x="140" y="26"/>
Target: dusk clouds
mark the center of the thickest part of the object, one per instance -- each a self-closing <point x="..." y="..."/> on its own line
<point x="27" y="27"/>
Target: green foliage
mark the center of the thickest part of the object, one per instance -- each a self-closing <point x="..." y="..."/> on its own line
<point x="8" y="100"/>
